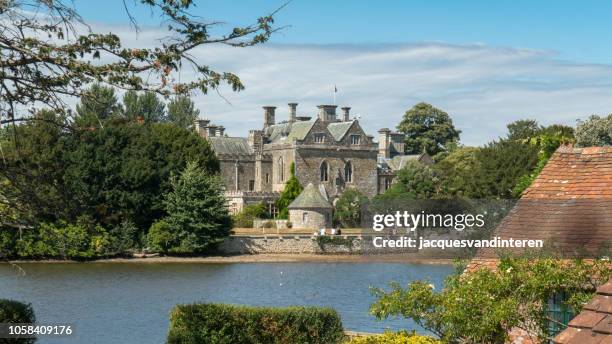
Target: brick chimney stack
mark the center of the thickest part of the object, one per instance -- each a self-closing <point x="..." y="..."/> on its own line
<point x="269" y="113"/>
<point x="327" y="113"/>
<point x="384" y="144"/>
<point x="346" y="112"/>
<point x="292" y="112"/>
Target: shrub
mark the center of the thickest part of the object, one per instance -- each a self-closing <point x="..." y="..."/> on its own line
<point x="226" y="324"/>
<point x="244" y="219"/>
<point x="269" y="224"/>
<point x="59" y="240"/>
<point x="16" y="313"/>
<point x="483" y="305"/>
<point x="160" y="237"/>
<point x="348" y="208"/>
<point x="7" y="242"/>
<point x="401" y="337"/>
<point x="290" y="192"/>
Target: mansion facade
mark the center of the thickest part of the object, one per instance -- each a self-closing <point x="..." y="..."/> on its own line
<point x="329" y="151"/>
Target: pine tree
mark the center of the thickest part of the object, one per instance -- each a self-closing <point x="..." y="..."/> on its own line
<point x="147" y="106"/>
<point x="197" y="210"/>
<point x="182" y="112"/>
<point x="97" y="104"/>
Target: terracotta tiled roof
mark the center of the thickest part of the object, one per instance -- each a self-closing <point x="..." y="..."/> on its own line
<point x="594" y="324"/>
<point x="575" y="173"/>
<point x="568" y="206"/>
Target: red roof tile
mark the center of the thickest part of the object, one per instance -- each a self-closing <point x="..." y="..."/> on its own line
<point x="594" y="324"/>
<point x="568" y="206"/>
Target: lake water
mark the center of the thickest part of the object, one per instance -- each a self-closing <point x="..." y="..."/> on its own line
<point x="130" y="303"/>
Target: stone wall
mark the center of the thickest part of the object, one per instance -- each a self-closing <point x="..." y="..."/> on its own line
<point x="307" y="244"/>
<point x="246" y="171"/>
<point x="309" y="159"/>
<point x="310" y="218"/>
<point x="301" y="244"/>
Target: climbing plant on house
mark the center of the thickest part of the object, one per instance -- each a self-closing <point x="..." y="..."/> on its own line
<point x="290" y="192"/>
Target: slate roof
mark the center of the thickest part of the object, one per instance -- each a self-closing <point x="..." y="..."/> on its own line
<point x="398" y="162"/>
<point x="594" y="324"/>
<point x="289" y="130"/>
<point x="339" y="129"/>
<point x="299" y="130"/>
<point x="309" y="198"/>
<point x="569" y="205"/>
<point x="230" y="145"/>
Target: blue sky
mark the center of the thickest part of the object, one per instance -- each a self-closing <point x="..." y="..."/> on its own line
<point x="486" y="63"/>
<point x="578" y="30"/>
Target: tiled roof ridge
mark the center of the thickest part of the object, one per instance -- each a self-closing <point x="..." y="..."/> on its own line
<point x="570" y="149"/>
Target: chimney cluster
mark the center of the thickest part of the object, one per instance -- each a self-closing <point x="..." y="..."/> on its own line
<point x="390" y="143"/>
<point x="206" y="130"/>
<point x="327" y="113"/>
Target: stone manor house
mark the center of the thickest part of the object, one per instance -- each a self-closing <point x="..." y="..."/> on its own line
<point x="330" y="152"/>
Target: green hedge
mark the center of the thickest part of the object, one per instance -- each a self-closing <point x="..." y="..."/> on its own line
<point x="228" y="324"/>
<point x="16" y="312"/>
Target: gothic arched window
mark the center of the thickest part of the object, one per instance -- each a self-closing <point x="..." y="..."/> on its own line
<point x="324" y="170"/>
<point x="281" y="170"/>
<point x="348" y="172"/>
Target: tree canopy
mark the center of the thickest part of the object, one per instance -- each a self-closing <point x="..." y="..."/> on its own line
<point x="146" y="106"/>
<point x="47" y="52"/>
<point x="483" y="306"/>
<point x="182" y="112"/>
<point x="595" y="131"/>
<point x="197" y="210"/>
<point x="98" y="103"/>
<point x="428" y="129"/>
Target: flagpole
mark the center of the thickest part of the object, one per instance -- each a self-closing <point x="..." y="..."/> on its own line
<point x="335" y="90"/>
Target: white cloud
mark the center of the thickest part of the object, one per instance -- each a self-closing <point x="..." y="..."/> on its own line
<point x="483" y="88"/>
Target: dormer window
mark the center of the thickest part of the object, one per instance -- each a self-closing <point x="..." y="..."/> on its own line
<point x="319" y="137"/>
<point x="355" y="139"/>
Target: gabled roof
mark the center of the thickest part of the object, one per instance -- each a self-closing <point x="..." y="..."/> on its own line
<point x="594" y="324"/>
<point x="309" y="198"/>
<point x="289" y="130"/>
<point x="299" y="130"/>
<point x="339" y="129"/>
<point x="230" y="145"/>
<point x="568" y="206"/>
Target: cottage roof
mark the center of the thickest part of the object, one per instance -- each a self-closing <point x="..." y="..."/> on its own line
<point x="230" y="145"/>
<point x="567" y="206"/>
<point x="594" y="324"/>
<point x="310" y="197"/>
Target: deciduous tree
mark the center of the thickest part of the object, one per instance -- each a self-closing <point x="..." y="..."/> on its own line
<point x="427" y="129"/>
